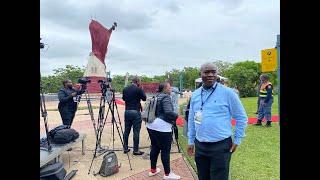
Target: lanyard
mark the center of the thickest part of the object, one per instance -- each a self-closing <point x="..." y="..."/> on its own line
<point x="202" y="102"/>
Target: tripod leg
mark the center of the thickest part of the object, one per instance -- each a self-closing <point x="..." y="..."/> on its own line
<point x="44" y="115"/>
<point x="94" y="156"/>
<point x="105" y="120"/>
<point x="114" y="122"/>
<point x="100" y="119"/>
<point x="118" y="117"/>
<point x="90" y="111"/>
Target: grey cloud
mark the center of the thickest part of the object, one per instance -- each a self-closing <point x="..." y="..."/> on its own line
<point x="65" y="49"/>
<point x="73" y="16"/>
<point x="152" y="38"/>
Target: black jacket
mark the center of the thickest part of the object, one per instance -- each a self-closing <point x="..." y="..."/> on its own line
<point x="132" y="95"/>
<point x="164" y="109"/>
<point x="66" y="102"/>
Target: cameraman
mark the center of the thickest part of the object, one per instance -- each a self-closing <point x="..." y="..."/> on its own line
<point x="132" y="95"/>
<point x="68" y="102"/>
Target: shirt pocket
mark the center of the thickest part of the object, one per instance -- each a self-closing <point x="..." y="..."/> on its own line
<point x="217" y="107"/>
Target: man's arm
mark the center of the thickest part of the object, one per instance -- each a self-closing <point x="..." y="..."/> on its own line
<point x="269" y="94"/>
<point x="124" y="97"/>
<point x="191" y="126"/>
<point x="62" y="96"/>
<point x="239" y="114"/>
<point x="143" y="95"/>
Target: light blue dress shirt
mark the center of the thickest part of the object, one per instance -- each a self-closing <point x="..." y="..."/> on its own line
<point x="217" y="113"/>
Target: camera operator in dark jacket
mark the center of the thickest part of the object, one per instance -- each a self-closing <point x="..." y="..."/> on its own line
<point x="160" y="132"/>
<point x="132" y="95"/>
<point x="68" y="102"/>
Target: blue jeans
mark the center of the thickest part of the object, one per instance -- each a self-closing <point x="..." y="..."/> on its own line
<point x="259" y="98"/>
<point x="132" y="118"/>
<point x="265" y="110"/>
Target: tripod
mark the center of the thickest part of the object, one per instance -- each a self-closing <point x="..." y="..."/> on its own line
<point x="176" y="136"/>
<point x="102" y="121"/>
<point x="113" y="106"/>
<point x="44" y="114"/>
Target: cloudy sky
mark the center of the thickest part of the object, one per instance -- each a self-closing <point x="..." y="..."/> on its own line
<point x="154" y="36"/>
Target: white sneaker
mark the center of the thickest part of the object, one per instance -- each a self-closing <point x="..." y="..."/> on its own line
<point x="153" y="174"/>
<point x="171" y="176"/>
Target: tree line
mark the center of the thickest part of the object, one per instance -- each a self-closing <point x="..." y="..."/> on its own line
<point x="243" y="75"/>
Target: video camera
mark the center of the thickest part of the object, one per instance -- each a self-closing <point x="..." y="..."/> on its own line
<point x="105" y="85"/>
<point x="84" y="81"/>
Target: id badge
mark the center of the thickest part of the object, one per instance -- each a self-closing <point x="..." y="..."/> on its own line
<point x="75" y="99"/>
<point x="198" y="117"/>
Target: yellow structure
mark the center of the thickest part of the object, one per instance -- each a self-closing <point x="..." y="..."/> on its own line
<point x="269" y="60"/>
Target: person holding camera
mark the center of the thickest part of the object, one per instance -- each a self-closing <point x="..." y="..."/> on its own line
<point x="68" y="102"/>
<point x="160" y="132"/>
<point x="132" y="95"/>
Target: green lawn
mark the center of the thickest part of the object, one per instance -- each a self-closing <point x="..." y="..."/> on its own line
<point x="258" y="156"/>
<point x="250" y="104"/>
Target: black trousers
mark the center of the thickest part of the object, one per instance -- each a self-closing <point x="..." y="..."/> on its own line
<point x="67" y="116"/>
<point x="213" y="159"/>
<point x="132" y="118"/>
<point x="160" y="141"/>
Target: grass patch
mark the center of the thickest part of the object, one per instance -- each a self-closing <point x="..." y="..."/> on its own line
<point x="258" y="156"/>
<point x="183" y="146"/>
<point x="250" y="105"/>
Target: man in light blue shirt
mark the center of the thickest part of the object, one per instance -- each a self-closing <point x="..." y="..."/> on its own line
<point x="209" y="125"/>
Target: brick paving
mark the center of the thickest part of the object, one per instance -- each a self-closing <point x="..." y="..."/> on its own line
<point x="74" y="159"/>
<point x="178" y="166"/>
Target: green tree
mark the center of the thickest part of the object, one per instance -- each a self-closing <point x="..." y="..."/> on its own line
<point x="174" y="75"/>
<point x="190" y="74"/>
<point x="146" y="79"/>
<point x="118" y="82"/>
<point x="52" y="84"/>
<point x="222" y="66"/>
<point x="244" y="75"/>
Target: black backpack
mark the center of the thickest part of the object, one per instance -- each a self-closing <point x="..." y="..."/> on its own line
<point x="64" y="136"/>
<point x="53" y="172"/>
<point x="53" y="131"/>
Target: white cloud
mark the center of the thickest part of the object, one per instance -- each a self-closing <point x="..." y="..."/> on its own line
<point x="154" y="36"/>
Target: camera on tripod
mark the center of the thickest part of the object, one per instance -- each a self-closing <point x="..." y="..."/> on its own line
<point x="105" y="84"/>
<point x="84" y="81"/>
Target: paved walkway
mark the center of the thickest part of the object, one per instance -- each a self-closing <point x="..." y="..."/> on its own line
<point x="140" y="167"/>
<point x="178" y="166"/>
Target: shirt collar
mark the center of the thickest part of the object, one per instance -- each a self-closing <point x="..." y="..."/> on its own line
<point x="209" y="88"/>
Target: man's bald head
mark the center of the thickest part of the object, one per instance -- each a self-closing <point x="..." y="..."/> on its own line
<point x="209" y="74"/>
<point x="207" y="65"/>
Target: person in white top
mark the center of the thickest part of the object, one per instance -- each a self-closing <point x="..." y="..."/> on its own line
<point x="160" y="132"/>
